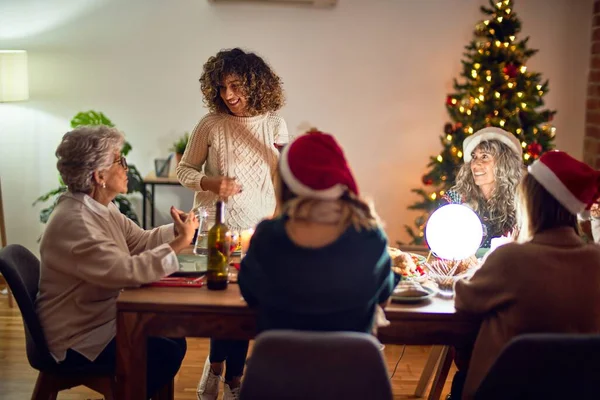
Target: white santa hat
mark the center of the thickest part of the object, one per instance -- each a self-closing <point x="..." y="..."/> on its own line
<point x="314" y="166"/>
<point x="572" y="183"/>
<point x="490" y="133"/>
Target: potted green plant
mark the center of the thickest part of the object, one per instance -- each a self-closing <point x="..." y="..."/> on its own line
<point x="134" y="183"/>
<point x="179" y="146"/>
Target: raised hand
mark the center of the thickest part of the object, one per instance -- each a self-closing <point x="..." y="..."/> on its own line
<point x="185" y="227"/>
<point x="221" y="185"/>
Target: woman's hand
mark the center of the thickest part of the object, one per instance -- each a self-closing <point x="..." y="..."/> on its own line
<point x="185" y="229"/>
<point x="183" y="216"/>
<point x="221" y="185"/>
<point x="595" y="210"/>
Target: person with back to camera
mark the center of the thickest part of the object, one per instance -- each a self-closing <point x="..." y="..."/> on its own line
<point x="323" y="264"/>
<point x="232" y="155"/>
<point x="90" y="252"/>
<point x="488" y="179"/>
<point x="521" y="287"/>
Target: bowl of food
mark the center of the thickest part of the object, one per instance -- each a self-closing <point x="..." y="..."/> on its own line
<point x="408" y="265"/>
<point x="445" y="273"/>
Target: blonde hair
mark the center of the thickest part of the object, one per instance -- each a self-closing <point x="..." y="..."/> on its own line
<point x="355" y="211"/>
<point x="538" y="210"/>
<point x="508" y="170"/>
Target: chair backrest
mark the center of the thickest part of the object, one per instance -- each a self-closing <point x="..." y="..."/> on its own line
<point x="21" y="269"/>
<point x="545" y="366"/>
<point x="288" y="364"/>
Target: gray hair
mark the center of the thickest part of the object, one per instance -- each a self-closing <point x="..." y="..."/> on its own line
<point x="84" y="150"/>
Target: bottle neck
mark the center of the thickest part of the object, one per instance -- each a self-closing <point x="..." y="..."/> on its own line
<point x="220" y="213"/>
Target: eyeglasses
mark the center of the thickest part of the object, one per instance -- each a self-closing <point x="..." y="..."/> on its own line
<point x="121" y="161"/>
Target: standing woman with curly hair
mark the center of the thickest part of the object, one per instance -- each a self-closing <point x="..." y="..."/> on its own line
<point x="488" y="179"/>
<point x="232" y="155"/>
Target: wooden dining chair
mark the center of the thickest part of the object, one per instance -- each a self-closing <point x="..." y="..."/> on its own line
<point x="21" y="269"/>
<point x="3" y="242"/>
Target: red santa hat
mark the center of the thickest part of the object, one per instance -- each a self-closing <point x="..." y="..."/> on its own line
<point x="572" y="183"/>
<point x="490" y="133"/>
<point x="314" y="166"/>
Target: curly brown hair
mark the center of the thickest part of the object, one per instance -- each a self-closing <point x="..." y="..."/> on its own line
<point x="261" y="86"/>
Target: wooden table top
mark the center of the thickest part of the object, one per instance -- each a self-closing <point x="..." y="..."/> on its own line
<point x="151" y="178"/>
<point x="182" y="299"/>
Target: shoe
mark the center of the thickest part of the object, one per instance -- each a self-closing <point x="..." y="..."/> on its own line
<point x="231" y="394"/>
<point x="208" y="387"/>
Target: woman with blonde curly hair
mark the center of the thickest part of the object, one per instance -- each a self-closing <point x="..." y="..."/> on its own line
<point x="487" y="183"/>
<point x="232" y="155"/>
<point x="488" y="179"/>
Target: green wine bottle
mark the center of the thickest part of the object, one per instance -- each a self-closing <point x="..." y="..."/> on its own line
<point x="219" y="246"/>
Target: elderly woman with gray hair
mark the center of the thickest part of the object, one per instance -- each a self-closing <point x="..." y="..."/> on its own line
<point x="90" y="251"/>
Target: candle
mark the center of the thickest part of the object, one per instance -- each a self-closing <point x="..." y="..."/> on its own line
<point x="245" y="240"/>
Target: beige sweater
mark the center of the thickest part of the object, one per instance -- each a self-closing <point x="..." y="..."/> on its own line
<point x="90" y="252"/>
<point x="240" y="147"/>
<point x="551" y="284"/>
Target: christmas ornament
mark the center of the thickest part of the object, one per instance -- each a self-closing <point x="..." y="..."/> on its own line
<point x="534" y="149"/>
<point x="448" y="129"/>
<point x="511" y="70"/>
<point x="427" y="180"/>
<point x="450" y="101"/>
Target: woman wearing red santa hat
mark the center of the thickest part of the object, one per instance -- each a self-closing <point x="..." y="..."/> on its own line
<point x="488" y="179"/>
<point x="521" y="287"/>
<point x="323" y="264"/>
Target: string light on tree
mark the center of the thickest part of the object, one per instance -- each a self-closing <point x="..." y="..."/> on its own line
<point x="495" y="89"/>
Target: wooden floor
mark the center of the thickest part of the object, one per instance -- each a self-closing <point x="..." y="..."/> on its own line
<point x="17" y="377"/>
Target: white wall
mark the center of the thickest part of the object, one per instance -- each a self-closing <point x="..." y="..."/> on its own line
<point x="373" y="72"/>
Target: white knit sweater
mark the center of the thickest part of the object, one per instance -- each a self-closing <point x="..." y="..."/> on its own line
<point x="240" y="147"/>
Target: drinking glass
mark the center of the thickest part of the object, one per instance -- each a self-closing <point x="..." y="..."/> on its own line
<point x="204" y="224"/>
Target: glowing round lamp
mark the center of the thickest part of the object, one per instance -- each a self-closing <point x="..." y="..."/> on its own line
<point x="454" y="232"/>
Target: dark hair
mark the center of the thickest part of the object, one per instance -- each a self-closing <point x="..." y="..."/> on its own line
<point x="260" y="84"/>
<point x="538" y="210"/>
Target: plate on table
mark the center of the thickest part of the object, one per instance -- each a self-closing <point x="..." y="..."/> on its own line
<point x="190" y="265"/>
<point x="399" y="296"/>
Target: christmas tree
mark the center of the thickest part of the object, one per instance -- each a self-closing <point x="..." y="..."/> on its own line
<point x="497" y="90"/>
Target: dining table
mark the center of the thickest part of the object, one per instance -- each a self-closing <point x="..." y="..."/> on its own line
<point x="199" y="312"/>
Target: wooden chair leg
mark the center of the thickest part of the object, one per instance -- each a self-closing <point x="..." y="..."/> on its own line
<point x="11" y="300"/>
<point x="103" y="384"/>
<point x="167" y="392"/>
<point x="428" y="370"/>
<point x="44" y="388"/>
<point x="441" y="374"/>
